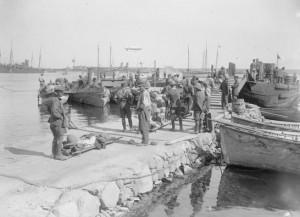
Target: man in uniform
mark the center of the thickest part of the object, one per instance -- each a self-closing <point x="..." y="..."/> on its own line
<point x="224" y="87"/>
<point x="253" y="69"/>
<point x="175" y="104"/>
<point x="143" y="109"/>
<point x="137" y="79"/>
<point x="58" y="123"/>
<point x="42" y="81"/>
<point x="235" y="87"/>
<point x="199" y="108"/>
<point x="131" y="80"/>
<point x="124" y="99"/>
<point x="188" y="95"/>
<point x="169" y="79"/>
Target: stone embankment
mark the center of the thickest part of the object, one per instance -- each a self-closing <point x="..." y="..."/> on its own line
<point x="116" y="196"/>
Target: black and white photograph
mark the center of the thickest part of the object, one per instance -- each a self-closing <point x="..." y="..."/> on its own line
<point x="149" y="108"/>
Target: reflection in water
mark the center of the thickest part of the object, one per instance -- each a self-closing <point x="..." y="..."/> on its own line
<point x="259" y="189"/>
<point x="199" y="188"/>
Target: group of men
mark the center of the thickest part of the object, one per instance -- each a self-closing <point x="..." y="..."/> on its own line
<point x="125" y="99"/>
<point x="195" y="94"/>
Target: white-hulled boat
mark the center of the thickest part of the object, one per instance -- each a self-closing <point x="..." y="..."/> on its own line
<point x="265" y="149"/>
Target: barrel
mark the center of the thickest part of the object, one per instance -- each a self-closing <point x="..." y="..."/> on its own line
<point x="238" y="106"/>
<point x="288" y="79"/>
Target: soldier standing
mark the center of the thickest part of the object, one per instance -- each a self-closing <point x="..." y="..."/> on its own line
<point x="174" y="96"/>
<point x="224" y="87"/>
<point x="188" y="94"/>
<point x="199" y="108"/>
<point x="124" y="99"/>
<point x="235" y="87"/>
<point x="58" y="123"/>
<point x="143" y="109"/>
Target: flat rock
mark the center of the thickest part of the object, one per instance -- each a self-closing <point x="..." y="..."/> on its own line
<point x="110" y="194"/>
<point x="145" y="184"/>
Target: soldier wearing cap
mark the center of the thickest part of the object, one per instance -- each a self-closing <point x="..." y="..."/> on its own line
<point x="169" y="79"/>
<point x="224" y="87"/>
<point x="124" y="99"/>
<point x="199" y="108"/>
<point x="58" y="123"/>
<point x="188" y="94"/>
<point x="174" y="96"/>
<point x="143" y="109"/>
<point x="221" y="73"/>
<point x="235" y="92"/>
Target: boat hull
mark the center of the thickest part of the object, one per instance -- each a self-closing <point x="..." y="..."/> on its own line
<point x="90" y="98"/>
<point x="267" y="124"/>
<point x="269" y="95"/>
<point x="281" y="114"/>
<point x="14" y="69"/>
<point x="252" y="148"/>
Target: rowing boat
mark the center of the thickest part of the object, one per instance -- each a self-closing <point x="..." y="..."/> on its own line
<point x="253" y="147"/>
<point x="267" y="124"/>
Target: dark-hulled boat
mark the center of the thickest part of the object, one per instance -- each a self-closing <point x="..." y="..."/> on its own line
<point x="83" y="92"/>
<point x="271" y="88"/>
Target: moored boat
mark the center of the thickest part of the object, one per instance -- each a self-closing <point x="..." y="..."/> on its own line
<point x="44" y="99"/>
<point x="266" y="124"/>
<point x="290" y="115"/>
<point x="252" y="147"/>
<point x="271" y="88"/>
<point x="86" y="92"/>
<point x="89" y="97"/>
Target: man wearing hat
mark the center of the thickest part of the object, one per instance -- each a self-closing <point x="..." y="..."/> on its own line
<point x="143" y="108"/>
<point x="235" y="92"/>
<point x="124" y="99"/>
<point x="169" y="79"/>
<point x="174" y="96"/>
<point x="221" y="73"/>
<point x="199" y="108"/>
<point x="58" y="123"/>
<point x="224" y="87"/>
<point x="188" y="94"/>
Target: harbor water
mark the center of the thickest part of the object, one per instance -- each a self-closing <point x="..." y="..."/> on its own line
<point x="220" y="192"/>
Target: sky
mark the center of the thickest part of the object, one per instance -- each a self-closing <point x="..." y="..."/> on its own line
<point x="239" y="30"/>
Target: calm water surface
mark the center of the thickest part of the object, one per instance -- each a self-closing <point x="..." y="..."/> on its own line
<point x="233" y="193"/>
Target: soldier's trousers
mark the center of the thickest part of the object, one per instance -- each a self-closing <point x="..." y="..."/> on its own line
<point x="58" y="133"/>
<point x="126" y="112"/>
<point x="144" y="121"/>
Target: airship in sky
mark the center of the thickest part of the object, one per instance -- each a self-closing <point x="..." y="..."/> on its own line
<point x="134" y="48"/>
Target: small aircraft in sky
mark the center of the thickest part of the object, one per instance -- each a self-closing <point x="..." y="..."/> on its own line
<point x="134" y="48"/>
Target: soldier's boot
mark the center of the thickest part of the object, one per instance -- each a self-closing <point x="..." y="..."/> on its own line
<point x="201" y="126"/>
<point x="58" y="154"/>
<point x="196" y="130"/>
<point x="180" y="124"/>
<point x="173" y="125"/>
<point x="124" y="124"/>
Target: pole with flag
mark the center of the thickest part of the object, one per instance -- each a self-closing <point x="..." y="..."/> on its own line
<point x="278" y="58"/>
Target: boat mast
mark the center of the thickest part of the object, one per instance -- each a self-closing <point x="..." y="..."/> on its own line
<point x="11" y="56"/>
<point x="98" y="75"/>
<point x="40" y="57"/>
<point x="188" y="58"/>
<point x="110" y="56"/>
<point x="206" y="57"/>
<point x="31" y="59"/>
